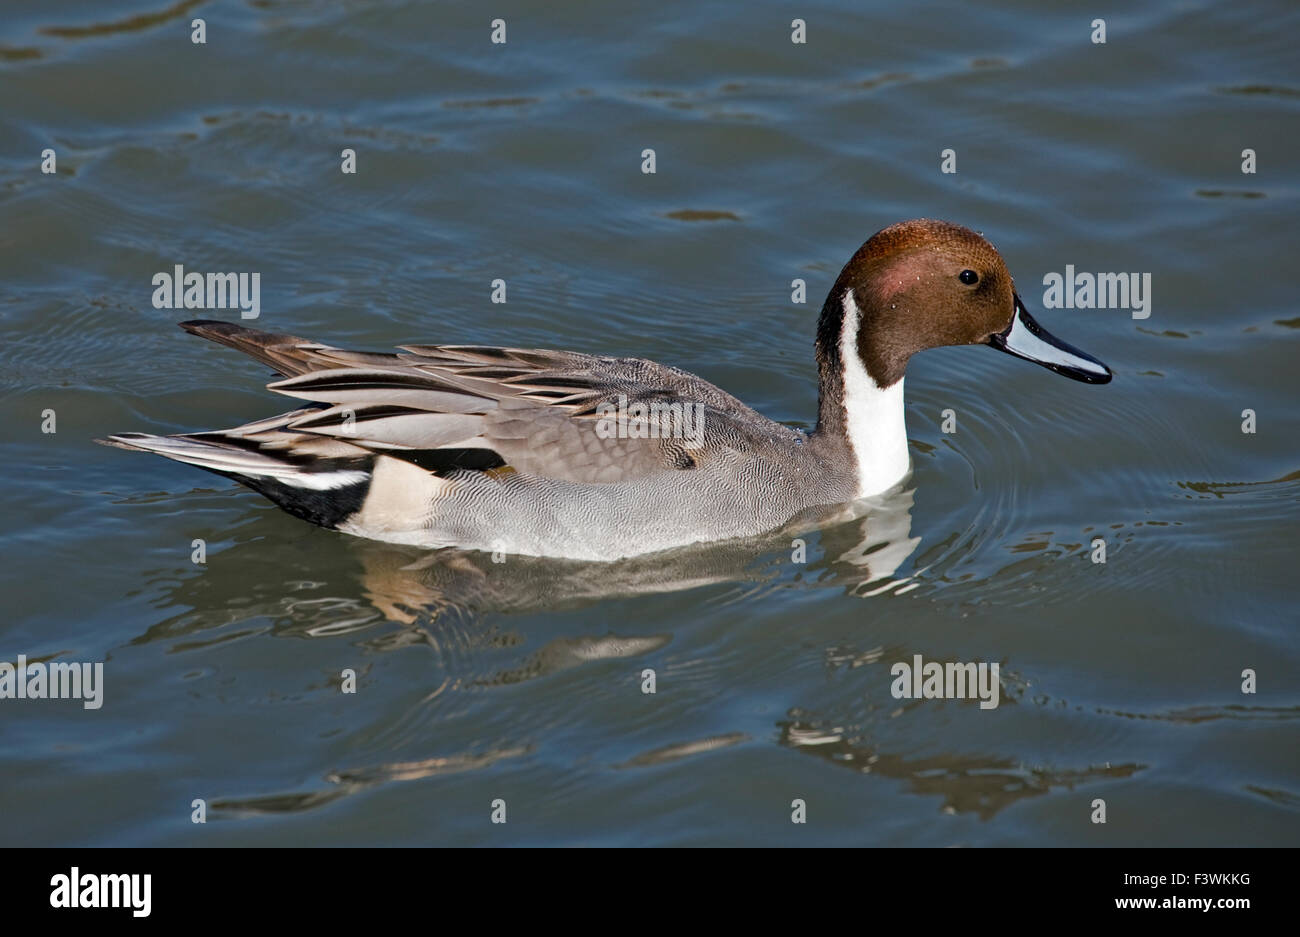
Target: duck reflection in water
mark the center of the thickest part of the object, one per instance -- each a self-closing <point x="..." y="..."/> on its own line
<point x="859" y="547"/>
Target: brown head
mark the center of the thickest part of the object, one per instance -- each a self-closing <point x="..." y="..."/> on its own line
<point x="924" y="284"/>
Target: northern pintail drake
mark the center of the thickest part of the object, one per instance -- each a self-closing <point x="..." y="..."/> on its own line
<point x="563" y="454"/>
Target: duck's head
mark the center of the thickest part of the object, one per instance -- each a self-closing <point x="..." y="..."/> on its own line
<point x="925" y="284"/>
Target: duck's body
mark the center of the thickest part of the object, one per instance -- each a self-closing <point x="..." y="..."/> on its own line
<point x="543" y="481"/>
<point x="552" y="453"/>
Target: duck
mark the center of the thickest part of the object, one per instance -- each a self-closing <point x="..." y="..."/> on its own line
<point x="588" y="457"/>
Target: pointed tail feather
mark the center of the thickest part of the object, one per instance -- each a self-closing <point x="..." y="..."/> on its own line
<point x="287" y="354"/>
<point x="322" y="491"/>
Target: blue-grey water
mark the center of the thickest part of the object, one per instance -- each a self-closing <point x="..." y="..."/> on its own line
<point x="521" y="682"/>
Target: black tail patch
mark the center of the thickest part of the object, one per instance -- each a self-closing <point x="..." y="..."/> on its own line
<point x="327" y="508"/>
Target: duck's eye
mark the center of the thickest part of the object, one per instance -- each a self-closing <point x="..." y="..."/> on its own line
<point x="969" y="277"/>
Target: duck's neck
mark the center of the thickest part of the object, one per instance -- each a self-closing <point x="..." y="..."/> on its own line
<point x="857" y="418"/>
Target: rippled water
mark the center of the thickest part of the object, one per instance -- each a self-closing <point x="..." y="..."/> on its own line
<point x="522" y="681"/>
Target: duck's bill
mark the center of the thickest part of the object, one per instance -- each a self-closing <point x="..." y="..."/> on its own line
<point x="1026" y="339"/>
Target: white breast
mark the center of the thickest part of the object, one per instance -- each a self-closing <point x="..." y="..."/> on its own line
<point x="876" y="424"/>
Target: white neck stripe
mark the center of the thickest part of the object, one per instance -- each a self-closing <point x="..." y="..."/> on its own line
<point x="875" y="422"/>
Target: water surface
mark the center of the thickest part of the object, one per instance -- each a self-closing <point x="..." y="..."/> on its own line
<point x="522" y="680"/>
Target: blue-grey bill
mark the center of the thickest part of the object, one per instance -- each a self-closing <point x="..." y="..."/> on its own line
<point x="1026" y="339"/>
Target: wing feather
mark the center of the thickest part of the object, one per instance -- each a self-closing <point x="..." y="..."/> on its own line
<point x="536" y="409"/>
